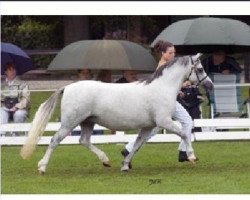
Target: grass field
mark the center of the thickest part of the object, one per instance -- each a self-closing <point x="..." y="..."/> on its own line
<point x="224" y="168"/>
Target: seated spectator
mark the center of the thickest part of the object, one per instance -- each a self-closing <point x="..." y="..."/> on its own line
<point x="190" y="98"/>
<point x="104" y="76"/>
<point x="15" y="97"/>
<point x="223" y="69"/>
<point x="85" y="74"/>
<point x="128" y="76"/>
<point x="219" y="62"/>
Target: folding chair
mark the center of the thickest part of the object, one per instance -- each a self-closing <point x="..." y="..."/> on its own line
<point x="227" y="101"/>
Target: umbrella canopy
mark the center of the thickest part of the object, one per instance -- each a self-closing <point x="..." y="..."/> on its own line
<point x="12" y="53"/>
<point x="103" y="54"/>
<point x="207" y="34"/>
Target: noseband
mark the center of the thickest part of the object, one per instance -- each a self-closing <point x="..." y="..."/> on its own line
<point x="197" y="75"/>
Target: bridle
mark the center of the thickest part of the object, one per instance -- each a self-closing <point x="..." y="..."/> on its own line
<point x="196" y="72"/>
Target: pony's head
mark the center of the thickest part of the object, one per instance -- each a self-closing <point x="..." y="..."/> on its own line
<point x="197" y="73"/>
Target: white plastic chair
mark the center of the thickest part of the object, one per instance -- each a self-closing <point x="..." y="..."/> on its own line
<point x="226" y="102"/>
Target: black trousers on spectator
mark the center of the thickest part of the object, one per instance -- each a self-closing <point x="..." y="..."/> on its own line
<point x="195" y="113"/>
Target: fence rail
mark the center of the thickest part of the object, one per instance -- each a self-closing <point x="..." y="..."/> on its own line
<point x="239" y="130"/>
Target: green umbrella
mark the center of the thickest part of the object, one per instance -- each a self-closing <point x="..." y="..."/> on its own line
<point x="207" y="34"/>
<point x="103" y="54"/>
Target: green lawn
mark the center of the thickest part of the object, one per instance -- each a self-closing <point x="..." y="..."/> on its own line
<point x="37" y="98"/>
<point x="224" y="168"/>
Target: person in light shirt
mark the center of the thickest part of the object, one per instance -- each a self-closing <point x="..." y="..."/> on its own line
<point x="15" y="97"/>
<point x="166" y="52"/>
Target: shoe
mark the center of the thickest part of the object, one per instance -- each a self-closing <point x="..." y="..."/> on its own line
<point x="183" y="156"/>
<point x="124" y="153"/>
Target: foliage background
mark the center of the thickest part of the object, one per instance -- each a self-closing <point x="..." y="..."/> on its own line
<point x="34" y="32"/>
<point x="47" y="32"/>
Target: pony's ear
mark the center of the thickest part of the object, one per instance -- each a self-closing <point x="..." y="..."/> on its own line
<point x="197" y="56"/>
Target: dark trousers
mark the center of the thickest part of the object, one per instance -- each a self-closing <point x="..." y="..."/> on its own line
<point x="195" y="113"/>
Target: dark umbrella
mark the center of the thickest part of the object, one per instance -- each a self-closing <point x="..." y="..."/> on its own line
<point x="206" y="35"/>
<point x="12" y="53"/>
<point x="103" y="54"/>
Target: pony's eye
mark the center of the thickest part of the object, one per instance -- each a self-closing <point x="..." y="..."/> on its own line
<point x="200" y="70"/>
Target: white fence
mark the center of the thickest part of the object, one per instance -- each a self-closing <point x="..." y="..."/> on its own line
<point x="222" y="129"/>
<point x="239" y="129"/>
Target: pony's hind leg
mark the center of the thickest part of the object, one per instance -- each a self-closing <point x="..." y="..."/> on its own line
<point x="86" y="132"/>
<point x="56" y="139"/>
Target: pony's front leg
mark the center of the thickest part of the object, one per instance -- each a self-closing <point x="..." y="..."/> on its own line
<point x="56" y="139"/>
<point x="140" y="140"/>
<point x="168" y="123"/>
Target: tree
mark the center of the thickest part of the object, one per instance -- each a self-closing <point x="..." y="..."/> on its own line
<point x="33" y="32"/>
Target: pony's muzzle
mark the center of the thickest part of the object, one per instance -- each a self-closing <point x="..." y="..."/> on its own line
<point x="208" y="85"/>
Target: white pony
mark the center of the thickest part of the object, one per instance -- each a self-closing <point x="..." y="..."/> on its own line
<point x="139" y="105"/>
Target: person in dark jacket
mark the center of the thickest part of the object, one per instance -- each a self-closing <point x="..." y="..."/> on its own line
<point x="219" y="62"/>
<point x="190" y="98"/>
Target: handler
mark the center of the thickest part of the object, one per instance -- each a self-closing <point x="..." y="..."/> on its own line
<point x="166" y="52"/>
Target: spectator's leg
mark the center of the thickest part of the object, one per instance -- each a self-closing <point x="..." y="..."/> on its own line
<point x="4" y="118"/>
<point x="195" y="113"/>
<point x="76" y="133"/>
<point x="98" y="132"/>
<point x="20" y="116"/>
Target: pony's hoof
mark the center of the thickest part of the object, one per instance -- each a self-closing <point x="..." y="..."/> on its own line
<point x="193" y="160"/>
<point x="106" y="164"/>
<point x="41" y="169"/>
<point x="129" y="165"/>
<point x="41" y="172"/>
<point x="125" y="169"/>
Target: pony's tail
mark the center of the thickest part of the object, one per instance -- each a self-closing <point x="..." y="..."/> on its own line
<point x="39" y="123"/>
